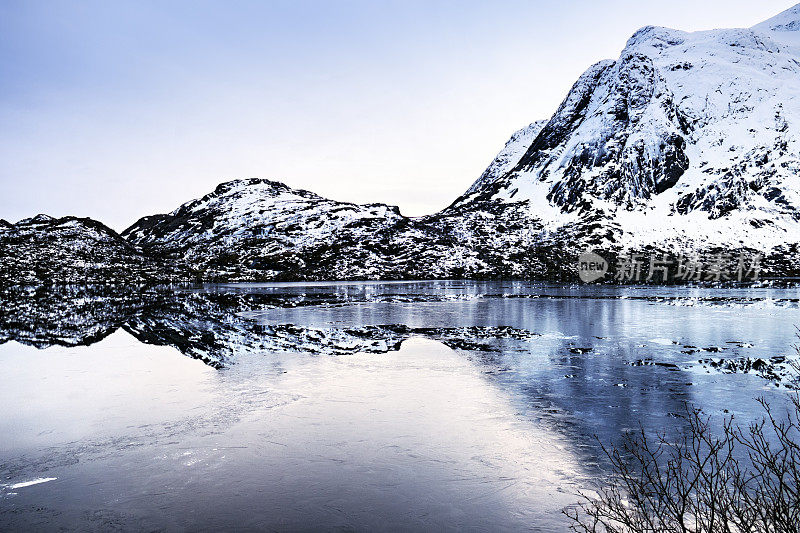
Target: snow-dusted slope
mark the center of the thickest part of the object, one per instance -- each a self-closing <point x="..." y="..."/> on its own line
<point x="261" y="229"/>
<point x="43" y="250"/>
<point x="256" y="208"/>
<point x="784" y="27"/>
<point x="510" y="155"/>
<point x="687" y="140"/>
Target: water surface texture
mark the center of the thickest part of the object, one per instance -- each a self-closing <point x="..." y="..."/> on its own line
<point x="358" y="406"/>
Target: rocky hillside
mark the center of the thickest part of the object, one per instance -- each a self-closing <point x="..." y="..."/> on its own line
<point x="48" y="251"/>
<point x="261" y="229"/>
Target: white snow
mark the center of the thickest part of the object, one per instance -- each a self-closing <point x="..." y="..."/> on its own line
<point x="23" y="484"/>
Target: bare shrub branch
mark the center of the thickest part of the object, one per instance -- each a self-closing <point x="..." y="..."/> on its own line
<point x="738" y="480"/>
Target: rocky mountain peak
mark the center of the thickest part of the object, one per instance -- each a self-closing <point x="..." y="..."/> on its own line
<point x="38" y="219"/>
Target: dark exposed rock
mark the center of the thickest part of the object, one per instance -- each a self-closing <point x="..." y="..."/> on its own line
<point x="774" y="369"/>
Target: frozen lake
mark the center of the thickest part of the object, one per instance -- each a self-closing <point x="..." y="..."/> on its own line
<point x="358" y="406"/>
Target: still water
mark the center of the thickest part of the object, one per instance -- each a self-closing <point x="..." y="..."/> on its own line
<point x="358" y="406"/>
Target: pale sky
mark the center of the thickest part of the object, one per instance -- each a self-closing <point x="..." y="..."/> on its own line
<point x="119" y="109"/>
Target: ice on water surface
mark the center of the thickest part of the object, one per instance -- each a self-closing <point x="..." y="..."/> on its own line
<point x="478" y="408"/>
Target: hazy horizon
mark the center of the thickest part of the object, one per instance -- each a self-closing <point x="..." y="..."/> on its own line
<point x="119" y="110"/>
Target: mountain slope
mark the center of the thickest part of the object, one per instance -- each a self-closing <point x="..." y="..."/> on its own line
<point x="47" y="251"/>
<point x="687" y="140"/>
<point x="261" y="229"/>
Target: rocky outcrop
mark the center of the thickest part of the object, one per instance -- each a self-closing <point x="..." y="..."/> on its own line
<point x="56" y="251"/>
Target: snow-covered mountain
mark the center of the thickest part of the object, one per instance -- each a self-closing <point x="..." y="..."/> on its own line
<point x="687" y="143"/>
<point x="44" y="250"/>
<point x="687" y="140"/>
<point x="259" y="230"/>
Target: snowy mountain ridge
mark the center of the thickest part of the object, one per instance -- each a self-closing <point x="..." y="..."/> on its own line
<point x="685" y="139"/>
<point x="687" y="144"/>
